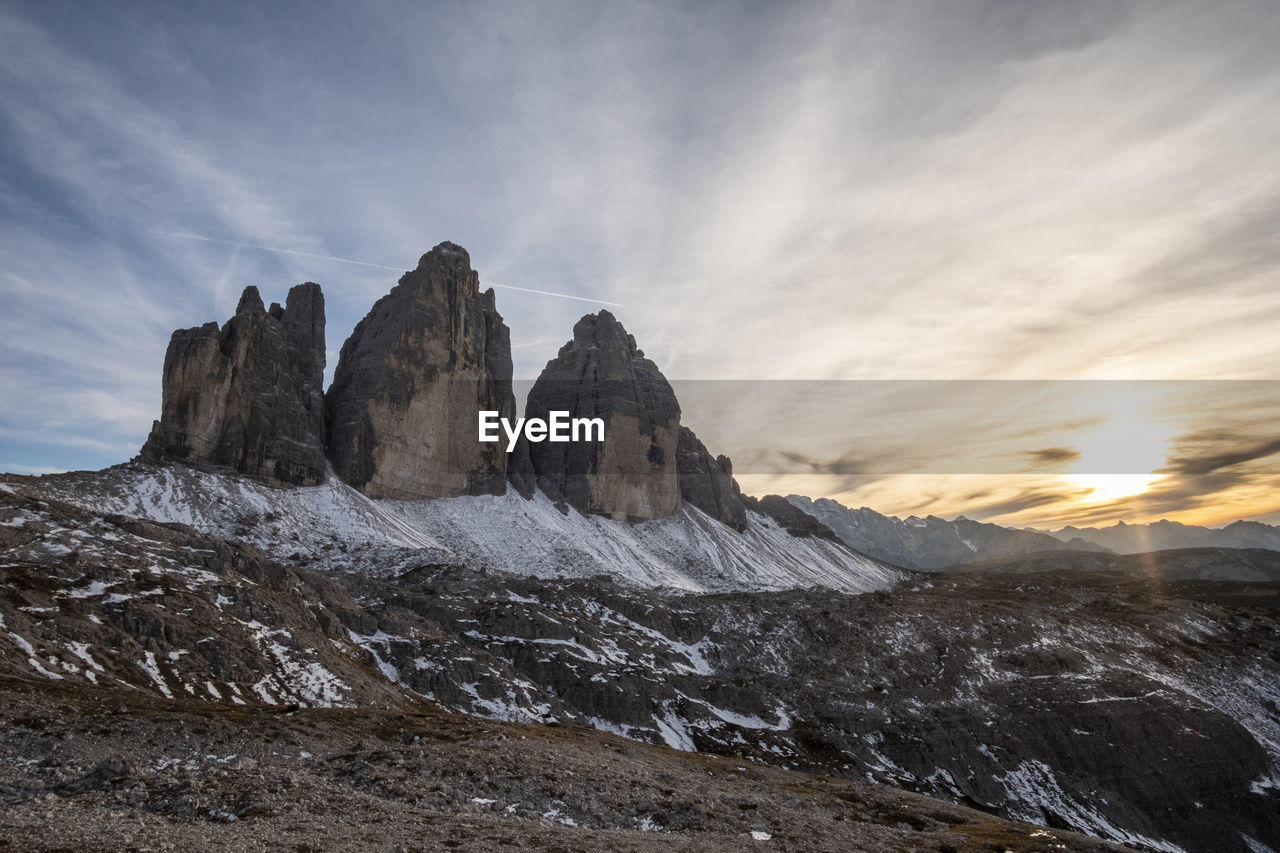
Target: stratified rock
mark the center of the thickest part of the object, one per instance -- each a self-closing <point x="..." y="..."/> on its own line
<point x="403" y="409"/>
<point x="791" y="518"/>
<point x="601" y="374"/>
<point x="707" y="482"/>
<point x="248" y="396"/>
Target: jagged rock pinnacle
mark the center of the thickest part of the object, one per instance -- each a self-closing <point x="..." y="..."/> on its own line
<point x="428" y="356"/>
<point x="248" y="396"/>
<point x="601" y="373"/>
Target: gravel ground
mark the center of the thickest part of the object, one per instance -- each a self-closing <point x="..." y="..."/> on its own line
<point x="90" y="770"/>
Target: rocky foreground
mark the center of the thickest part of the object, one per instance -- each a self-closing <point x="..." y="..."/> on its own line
<point x="117" y="770"/>
<point x="1128" y="709"/>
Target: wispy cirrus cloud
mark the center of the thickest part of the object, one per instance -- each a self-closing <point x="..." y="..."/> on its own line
<point x="1217" y="451"/>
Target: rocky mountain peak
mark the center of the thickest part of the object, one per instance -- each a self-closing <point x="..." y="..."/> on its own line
<point x="707" y="482"/>
<point x="399" y="420"/>
<point x="303" y="321"/>
<point x="602" y="373"/>
<point x="410" y="380"/>
<point x="249" y="395"/>
<point x="603" y="329"/>
<point x="250" y="302"/>
<point x="454" y="262"/>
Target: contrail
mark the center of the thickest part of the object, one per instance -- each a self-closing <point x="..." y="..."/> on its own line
<point x="549" y="293"/>
<point x="375" y="266"/>
<point x="272" y="249"/>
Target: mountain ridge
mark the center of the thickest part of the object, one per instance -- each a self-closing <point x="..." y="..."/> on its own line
<point x="1164" y="534"/>
<point x="929" y="543"/>
<point x="334" y="524"/>
<point x="932" y="543"/>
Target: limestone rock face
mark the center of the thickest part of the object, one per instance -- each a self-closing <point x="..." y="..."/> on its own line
<point x="707" y="482"/>
<point x="248" y="396"/>
<point x="402" y="412"/>
<point x="601" y="374"/>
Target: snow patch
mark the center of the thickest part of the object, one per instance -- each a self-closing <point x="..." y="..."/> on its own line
<point x="1032" y="788"/>
<point x="675" y="731"/>
<point x="687" y="551"/>
<point x="94" y="589"/>
<point x="151" y="668"/>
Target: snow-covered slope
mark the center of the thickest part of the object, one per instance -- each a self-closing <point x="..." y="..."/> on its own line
<point x="688" y="551"/>
<point x="333" y="523"/>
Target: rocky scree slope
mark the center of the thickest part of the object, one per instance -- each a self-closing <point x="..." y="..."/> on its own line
<point x="334" y="526"/>
<point x="1123" y="710"/>
<point x="99" y="769"/>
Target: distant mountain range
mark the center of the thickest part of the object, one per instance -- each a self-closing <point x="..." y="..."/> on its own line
<point x="929" y="543"/>
<point x="1251" y="565"/>
<point x="933" y="543"/>
<point x="1163" y="535"/>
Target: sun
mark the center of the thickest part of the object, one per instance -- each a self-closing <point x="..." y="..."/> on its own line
<point x="1120" y="457"/>
<point x="1104" y="488"/>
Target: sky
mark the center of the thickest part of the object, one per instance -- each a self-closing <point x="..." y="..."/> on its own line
<point x="867" y="196"/>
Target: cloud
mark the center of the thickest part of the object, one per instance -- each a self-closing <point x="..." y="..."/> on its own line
<point x="790" y="462"/>
<point x="1026" y="500"/>
<point x="89" y="305"/>
<point x="1051" y="457"/>
<point x="859" y="191"/>
<point x="1010" y="242"/>
<point x="1186" y="493"/>
<point x="1237" y="452"/>
<point x="88" y="134"/>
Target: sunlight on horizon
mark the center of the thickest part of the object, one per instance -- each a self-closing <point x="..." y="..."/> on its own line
<point x="1122" y="456"/>
<point x="1104" y="488"/>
